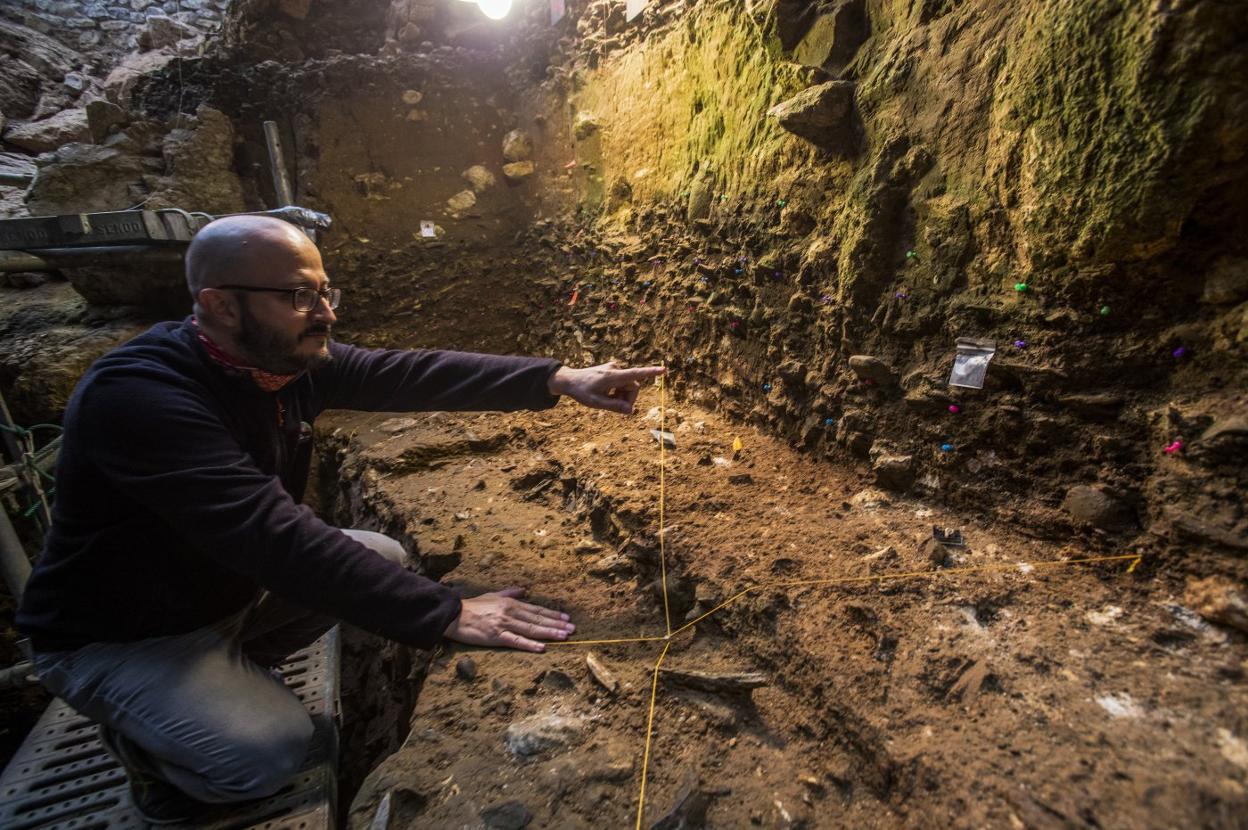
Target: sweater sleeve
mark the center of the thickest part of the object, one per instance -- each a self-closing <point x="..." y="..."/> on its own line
<point x="165" y="449"/>
<point x="392" y="380"/>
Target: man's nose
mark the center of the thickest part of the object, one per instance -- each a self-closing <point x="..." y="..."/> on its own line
<point x="323" y="312"/>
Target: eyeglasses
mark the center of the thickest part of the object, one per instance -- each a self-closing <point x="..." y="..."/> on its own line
<point x="303" y="298"/>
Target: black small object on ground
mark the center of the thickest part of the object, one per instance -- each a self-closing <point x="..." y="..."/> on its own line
<point x="948" y="536"/>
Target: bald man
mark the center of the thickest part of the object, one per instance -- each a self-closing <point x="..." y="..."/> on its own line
<point x="180" y="565"/>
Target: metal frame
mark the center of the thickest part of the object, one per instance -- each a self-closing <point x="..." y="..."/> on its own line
<point x="62" y="778"/>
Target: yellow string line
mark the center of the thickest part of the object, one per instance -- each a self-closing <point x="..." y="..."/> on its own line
<point x="667" y="614"/>
<point x="645" y="758"/>
<point x="652" y="639"/>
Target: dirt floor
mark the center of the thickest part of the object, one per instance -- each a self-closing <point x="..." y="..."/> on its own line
<point x="1033" y="695"/>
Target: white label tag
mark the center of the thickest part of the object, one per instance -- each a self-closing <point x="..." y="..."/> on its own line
<point x="634" y="8"/>
<point x="427" y="228"/>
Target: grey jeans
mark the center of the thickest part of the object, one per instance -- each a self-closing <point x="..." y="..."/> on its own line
<point x="201" y="708"/>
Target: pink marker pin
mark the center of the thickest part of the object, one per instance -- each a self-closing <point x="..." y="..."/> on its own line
<point x="954" y="408"/>
<point x="1173" y="448"/>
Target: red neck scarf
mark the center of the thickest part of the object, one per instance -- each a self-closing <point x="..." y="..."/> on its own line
<point x="268" y="381"/>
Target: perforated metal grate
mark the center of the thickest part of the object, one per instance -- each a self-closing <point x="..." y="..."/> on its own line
<point x="62" y="778"/>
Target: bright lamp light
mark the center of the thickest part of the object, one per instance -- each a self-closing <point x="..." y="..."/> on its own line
<point x="493" y="9"/>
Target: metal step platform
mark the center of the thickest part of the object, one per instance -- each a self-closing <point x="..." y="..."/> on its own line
<point x="62" y="778"/>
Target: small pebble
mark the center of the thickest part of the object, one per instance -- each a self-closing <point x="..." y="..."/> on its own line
<point x="466" y="668"/>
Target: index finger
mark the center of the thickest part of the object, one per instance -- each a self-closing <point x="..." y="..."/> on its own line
<point x="641" y="373"/>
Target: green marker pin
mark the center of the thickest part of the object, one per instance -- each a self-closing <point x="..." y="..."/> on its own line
<point x="1020" y="287"/>
<point x="1104" y="311"/>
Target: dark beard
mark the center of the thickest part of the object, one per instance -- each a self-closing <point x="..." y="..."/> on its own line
<point x="273" y="351"/>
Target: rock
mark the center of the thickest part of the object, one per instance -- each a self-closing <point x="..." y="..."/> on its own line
<point x="934" y="552"/>
<point x="466" y="668"/>
<point x="65" y="127"/>
<point x="159" y="32"/>
<point x="1099" y="406"/>
<point x="1218" y="600"/>
<point x="1234" y="427"/>
<point x="559" y="681"/>
<point x="613" y="566"/>
<point x="83" y="178"/>
<point x="298" y="9"/>
<point x="793" y="20"/>
<point x="893" y="472"/>
<point x="412" y="97"/>
<point x="19" y="87"/>
<point x="601" y="673"/>
<point x="102" y="116"/>
<point x="16" y="169"/>
<point x="740" y="478"/>
<point x="120" y="84"/>
<point x="462" y="201"/>
<point x="688" y="812"/>
<point x="26" y="279"/>
<point x="1093" y="506"/>
<point x="834" y="37"/>
<point x="1187" y="525"/>
<point x="1226" y="282"/>
<point x="199" y="158"/>
<point x="882" y="560"/>
<point x="539" y="733"/>
<point x="511" y="815"/>
<point x="873" y="369"/>
<point x="3" y="122"/>
<point x="586" y="546"/>
<point x="584" y="125"/>
<point x="700" y="193"/>
<point x="724" y="683"/>
<point x="518" y="171"/>
<point x="479" y="178"/>
<point x="824" y="116"/>
<point x="29" y="58"/>
<point x="517" y="146"/>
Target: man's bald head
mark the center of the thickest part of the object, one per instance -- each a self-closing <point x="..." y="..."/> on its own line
<point x="245" y="250"/>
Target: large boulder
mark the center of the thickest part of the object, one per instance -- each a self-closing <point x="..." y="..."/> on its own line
<point x="120" y="84"/>
<point x="46" y="54"/>
<point x="19" y="87"/>
<point x="160" y="31"/>
<point x="199" y="158"/>
<point x="79" y="178"/>
<point x="823" y="115"/>
<point x="834" y="37"/>
<point x="517" y="146"/>
<point x="65" y="127"/>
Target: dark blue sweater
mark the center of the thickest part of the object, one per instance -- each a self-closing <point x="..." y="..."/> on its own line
<point x="178" y="487"/>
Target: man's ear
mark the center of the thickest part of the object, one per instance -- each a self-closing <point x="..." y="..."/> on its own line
<point x="221" y="307"/>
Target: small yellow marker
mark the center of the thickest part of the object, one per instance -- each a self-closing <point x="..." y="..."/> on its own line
<point x="737" y="446"/>
<point x="1134" y="563"/>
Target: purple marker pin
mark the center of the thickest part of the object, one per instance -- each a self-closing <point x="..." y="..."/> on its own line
<point x="1020" y="344"/>
<point x="1179" y="353"/>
